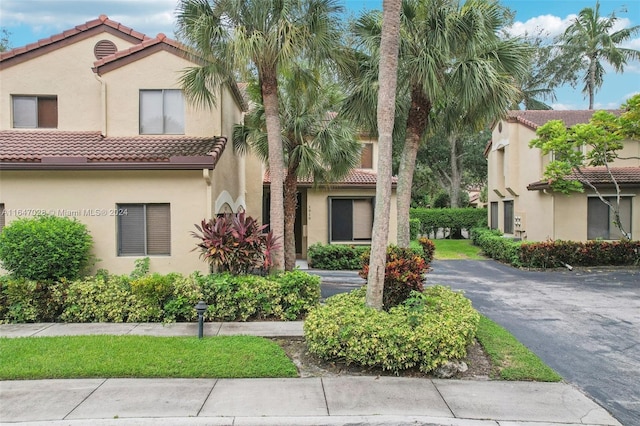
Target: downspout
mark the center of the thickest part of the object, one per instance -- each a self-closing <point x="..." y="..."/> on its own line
<point x="103" y="101"/>
<point x="206" y="175"/>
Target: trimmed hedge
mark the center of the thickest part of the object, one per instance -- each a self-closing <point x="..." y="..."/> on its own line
<point x="336" y="257"/>
<point x="552" y="254"/>
<point x="461" y="218"/>
<point x="426" y="331"/>
<point x="495" y="246"/>
<point x="159" y="298"/>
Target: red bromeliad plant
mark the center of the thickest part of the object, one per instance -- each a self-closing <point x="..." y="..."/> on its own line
<point x="236" y="243"/>
<point x="405" y="272"/>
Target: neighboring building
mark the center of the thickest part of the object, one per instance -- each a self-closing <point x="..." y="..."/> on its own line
<point x="522" y="205"/>
<point x="342" y="212"/>
<point x="94" y="125"/>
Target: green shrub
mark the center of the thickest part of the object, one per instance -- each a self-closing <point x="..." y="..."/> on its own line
<point x="494" y="245"/>
<point x="453" y="219"/>
<point x="414" y="228"/>
<point x="97" y="299"/>
<point x="155" y="298"/>
<point x="426" y="331"/>
<point x="45" y="248"/>
<point x="23" y="300"/>
<point x="336" y="256"/>
<point x="428" y="248"/>
<point x="286" y="296"/>
<point x="404" y="272"/>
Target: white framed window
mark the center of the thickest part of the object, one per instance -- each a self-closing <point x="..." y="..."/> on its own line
<point x="161" y="112"/>
<point x="350" y="219"/>
<point x="144" y="229"/>
<point x="33" y="112"/>
<point x="600" y="218"/>
<point x="494" y="215"/>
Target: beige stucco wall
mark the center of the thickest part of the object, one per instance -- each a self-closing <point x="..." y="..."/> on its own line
<point x="543" y="214"/>
<point x="316" y="215"/>
<point x="160" y="70"/>
<point x="65" y="72"/>
<point x="81" y="194"/>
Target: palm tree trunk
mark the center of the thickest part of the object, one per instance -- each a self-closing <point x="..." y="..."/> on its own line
<point x="389" y="46"/>
<point x="591" y="82"/>
<point x="269" y="87"/>
<point x="290" y="205"/>
<point x="416" y="124"/>
<point x="456" y="179"/>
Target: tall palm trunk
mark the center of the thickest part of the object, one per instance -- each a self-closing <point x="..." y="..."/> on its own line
<point x="290" y="205"/>
<point x="388" y="76"/>
<point x="591" y="83"/>
<point x="456" y="175"/>
<point x="416" y="124"/>
<point x="269" y="84"/>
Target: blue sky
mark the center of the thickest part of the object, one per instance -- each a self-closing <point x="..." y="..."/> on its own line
<point x="30" y="20"/>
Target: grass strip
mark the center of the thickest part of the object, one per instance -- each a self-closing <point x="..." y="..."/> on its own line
<point x="512" y="360"/>
<point x="456" y="249"/>
<point x="70" y="357"/>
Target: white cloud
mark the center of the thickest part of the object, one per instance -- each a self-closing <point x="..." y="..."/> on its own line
<point x="548" y="25"/>
<point x="47" y="17"/>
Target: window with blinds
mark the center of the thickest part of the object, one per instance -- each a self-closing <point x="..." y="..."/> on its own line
<point x="144" y="229"/>
<point x="351" y="219"/>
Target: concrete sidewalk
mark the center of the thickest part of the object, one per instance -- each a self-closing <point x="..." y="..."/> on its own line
<point x="345" y="400"/>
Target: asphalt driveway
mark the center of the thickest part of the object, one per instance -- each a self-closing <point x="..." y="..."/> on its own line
<point x="584" y="323"/>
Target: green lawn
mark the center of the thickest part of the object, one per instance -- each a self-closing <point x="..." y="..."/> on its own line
<point x="454" y="249"/>
<point x="511" y="359"/>
<point x="142" y="356"/>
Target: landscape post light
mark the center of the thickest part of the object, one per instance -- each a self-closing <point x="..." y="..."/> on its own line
<point x="201" y="308"/>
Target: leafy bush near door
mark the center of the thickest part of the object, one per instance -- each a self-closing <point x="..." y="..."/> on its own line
<point x="336" y="257"/>
<point x="45" y="247"/>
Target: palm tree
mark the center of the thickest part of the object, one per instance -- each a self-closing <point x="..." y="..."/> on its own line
<point x="236" y="37"/>
<point x="389" y="46"/>
<point x="318" y="144"/>
<point x="444" y="45"/>
<point x="589" y="41"/>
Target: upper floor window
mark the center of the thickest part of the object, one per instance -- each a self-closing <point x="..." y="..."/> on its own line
<point x="32" y="112"/>
<point x="161" y="112"/>
<point x="366" y="156"/>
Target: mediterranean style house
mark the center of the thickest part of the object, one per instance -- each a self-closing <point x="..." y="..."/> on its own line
<point x="522" y="204"/>
<point x="94" y="125"/>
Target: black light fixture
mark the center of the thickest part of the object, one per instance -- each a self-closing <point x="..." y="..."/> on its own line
<point x="201" y="308"/>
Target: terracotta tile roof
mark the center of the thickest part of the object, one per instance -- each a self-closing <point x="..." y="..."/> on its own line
<point x="534" y="118"/>
<point x="148" y="42"/>
<point x="102" y="20"/>
<point x="46" y="147"/>
<point x="356" y="177"/>
<point x="598" y="176"/>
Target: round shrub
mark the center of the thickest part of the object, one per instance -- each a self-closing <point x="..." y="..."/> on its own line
<point x="426" y="331"/>
<point x="45" y="248"/>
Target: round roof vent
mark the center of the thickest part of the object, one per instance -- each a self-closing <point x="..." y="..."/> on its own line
<point x="104" y="48"/>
